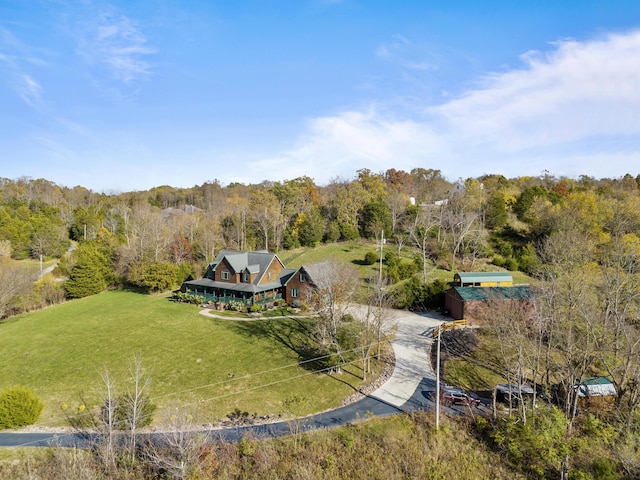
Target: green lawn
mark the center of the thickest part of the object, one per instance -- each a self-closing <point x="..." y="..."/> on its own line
<point x="207" y="365"/>
<point x="349" y="252"/>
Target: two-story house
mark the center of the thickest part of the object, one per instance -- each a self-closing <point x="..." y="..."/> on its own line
<point x="250" y="277"/>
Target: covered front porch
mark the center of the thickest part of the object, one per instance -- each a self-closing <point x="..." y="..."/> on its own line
<point x="246" y="294"/>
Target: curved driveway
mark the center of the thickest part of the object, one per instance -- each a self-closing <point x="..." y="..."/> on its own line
<point x="409" y="388"/>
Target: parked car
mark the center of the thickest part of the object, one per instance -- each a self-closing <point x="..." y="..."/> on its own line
<point x="506" y="392"/>
<point x="459" y="396"/>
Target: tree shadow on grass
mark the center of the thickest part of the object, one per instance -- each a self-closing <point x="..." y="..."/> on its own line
<point x="362" y="263"/>
<point x="294" y="333"/>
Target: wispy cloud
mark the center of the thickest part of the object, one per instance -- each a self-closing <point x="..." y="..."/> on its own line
<point x="17" y="58"/>
<point x="571" y="110"/>
<point x="116" y="43"/>
<point x="29" y="90"/>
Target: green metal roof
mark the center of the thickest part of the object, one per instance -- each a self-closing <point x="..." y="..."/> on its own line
<point x="469" y="294"/>
<point x="478" y="277"/>
<point x="595" y="387"/>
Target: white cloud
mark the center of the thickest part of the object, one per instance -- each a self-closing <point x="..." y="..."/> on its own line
<point x="340" y="145"/>
<point x="16" y="60"/>
<point x="572" y="111"/>
<point x="574" y="92"/>
<point x="30" y="90"/>
<point x="115" y="42"/>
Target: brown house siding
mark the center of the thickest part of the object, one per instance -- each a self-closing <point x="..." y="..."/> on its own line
<point x="295" y="282"/>
<point x="275" y="268"/>
<point x="224" y="265"/>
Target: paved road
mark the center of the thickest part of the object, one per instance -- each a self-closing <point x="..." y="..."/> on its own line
<point x="410" y="388"/>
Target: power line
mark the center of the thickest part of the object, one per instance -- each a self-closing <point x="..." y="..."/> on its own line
<point x="63" y="435"/>
<point x="244" y="377"/>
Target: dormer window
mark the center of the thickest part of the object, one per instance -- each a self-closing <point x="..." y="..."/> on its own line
<point x="225" y="275"/>
<point x="246" y="277"/>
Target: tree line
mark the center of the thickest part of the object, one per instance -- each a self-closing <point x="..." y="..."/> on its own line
<point x="155" y="239"/>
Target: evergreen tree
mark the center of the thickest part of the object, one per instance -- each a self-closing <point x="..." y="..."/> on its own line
<point x="91" y="273"/>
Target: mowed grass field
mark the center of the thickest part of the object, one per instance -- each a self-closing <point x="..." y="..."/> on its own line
<point x="204" y="366"/>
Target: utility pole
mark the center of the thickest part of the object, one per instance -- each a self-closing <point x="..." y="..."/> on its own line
<point x="381" y="245"/>
<point x="438" y="381"/>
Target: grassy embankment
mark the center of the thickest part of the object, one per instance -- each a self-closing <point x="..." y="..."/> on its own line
<point x="397" y="447"/>
<point x="209" y="367"/>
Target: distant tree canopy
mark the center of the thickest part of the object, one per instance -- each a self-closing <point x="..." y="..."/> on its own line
<point x="140" y="237"/>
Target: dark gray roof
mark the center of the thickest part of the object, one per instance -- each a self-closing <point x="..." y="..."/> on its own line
<point x="317" y="271"/>
<point x="241" y="261"/>
<point x="255" y="262"/>
<point x="286" y="274"/>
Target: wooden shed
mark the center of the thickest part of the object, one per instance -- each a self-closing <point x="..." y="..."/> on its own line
<point x="596" y="393"/>
<point x="483" y="279"/>
<point x="464" y="302"/>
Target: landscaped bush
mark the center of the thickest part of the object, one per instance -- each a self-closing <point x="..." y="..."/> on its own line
<point x="19" y="406"/>
<point x="255" y="308"/>
<point x="236" y="306"/>
<point x="187" y="298"/>
<point x="370" y="258"/>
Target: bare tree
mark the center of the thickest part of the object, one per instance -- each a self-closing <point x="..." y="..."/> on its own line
<point x="509" y="322"/>
<point x="568" y="302"/>
<point x="619" y="345"/>
<point x="14" y="281"/>
<point x="420" y="232"/>
<point x="335" y="286"/>
<point x="380" y="302"/>
<point x="459" y="219"/>
<point x="136" y="400"/>
<point x="109" y="447"/>
<point x="177" y="451"/>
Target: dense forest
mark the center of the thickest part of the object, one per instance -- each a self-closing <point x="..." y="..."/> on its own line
<point x="156" y="239"/>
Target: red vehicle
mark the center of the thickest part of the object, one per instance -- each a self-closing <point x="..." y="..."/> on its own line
<point x="459" y="396"/>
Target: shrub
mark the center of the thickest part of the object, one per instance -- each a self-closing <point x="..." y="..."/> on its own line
<point x="235" y="306"/>
<point x="19" y="406"/>
<point x="187" y="298"/>
<point x="255" y="308"/>
<point x="417" y="295"/>
<point x="370" y="258"/>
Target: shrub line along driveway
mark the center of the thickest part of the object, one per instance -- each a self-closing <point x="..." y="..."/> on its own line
<point x="409" y="388"/>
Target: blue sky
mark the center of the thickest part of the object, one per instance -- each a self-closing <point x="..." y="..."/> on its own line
<point x="127" y="95"/>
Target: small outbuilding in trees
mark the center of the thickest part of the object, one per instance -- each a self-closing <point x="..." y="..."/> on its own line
<point x="595" y="393"/>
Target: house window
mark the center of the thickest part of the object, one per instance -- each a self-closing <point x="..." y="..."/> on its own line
<point x="268" y="275"/>
<point x="303" y="277"/>
<point x="246" y="277"/>
<point x="294" y="293"/>
<point x="225" y="275"/>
